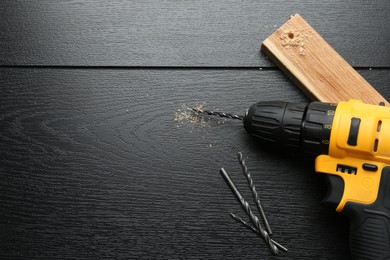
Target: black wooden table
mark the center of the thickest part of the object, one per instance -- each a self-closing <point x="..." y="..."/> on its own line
<point x="93" y="163"/>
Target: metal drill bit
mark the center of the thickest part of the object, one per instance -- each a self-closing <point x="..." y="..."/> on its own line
<point x="249" y="226"/>
<point x="254" y="192"/>
<point x="216" y="113"/>
<point x="255" y="221"/>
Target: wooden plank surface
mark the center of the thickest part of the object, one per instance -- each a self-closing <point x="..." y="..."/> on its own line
<point x="182" y="33"/>
<point x="313" y="65"/>
<point x="94" y="165"/>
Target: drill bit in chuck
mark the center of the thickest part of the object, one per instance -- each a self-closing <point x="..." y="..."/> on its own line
<point x="216" y="113"/>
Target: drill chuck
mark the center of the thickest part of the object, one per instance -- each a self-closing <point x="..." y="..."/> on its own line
<point x="291" y="126"/>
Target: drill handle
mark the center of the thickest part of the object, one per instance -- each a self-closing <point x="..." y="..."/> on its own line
<point x="370" y="224"/>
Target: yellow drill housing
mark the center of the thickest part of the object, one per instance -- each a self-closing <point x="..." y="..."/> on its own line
<point x="359" y="148"/>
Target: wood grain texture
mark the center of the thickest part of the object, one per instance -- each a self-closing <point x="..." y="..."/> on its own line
<point x="311" y="63"/>
<point x="182" y="33"/>
<point x="93" y="165"/>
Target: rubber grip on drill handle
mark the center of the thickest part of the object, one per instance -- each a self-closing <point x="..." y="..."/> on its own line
<point x="370" y="224"/>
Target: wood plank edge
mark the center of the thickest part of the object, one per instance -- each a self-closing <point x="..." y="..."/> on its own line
<point x="270" y="55"/>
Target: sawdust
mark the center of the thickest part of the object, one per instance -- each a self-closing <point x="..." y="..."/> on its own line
<point x="294" y="38"/>
<point x="185" y="116"/>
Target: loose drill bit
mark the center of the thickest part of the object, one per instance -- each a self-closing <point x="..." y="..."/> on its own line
<point x="216" y="113"/>
<point x="249" y="226"/>
<point x="246" y="207"/>
<point x="254" y="192"/>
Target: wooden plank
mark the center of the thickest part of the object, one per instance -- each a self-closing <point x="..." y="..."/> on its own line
<point x="93" y="165"/>
<point x="182" y="33"/>
<point x="315" y="66"/>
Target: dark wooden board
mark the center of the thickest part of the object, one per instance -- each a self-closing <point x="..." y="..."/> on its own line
<point x="93" y="165"/>
<point x="182" y="33"/>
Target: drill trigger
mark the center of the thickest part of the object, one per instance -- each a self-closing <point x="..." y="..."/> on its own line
<point x="335" y="185"/>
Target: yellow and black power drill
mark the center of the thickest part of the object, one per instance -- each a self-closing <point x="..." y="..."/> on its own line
<point x="352" y="141"/>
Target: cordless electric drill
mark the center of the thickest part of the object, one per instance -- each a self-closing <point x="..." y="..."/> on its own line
<point x="352" y="141"/>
